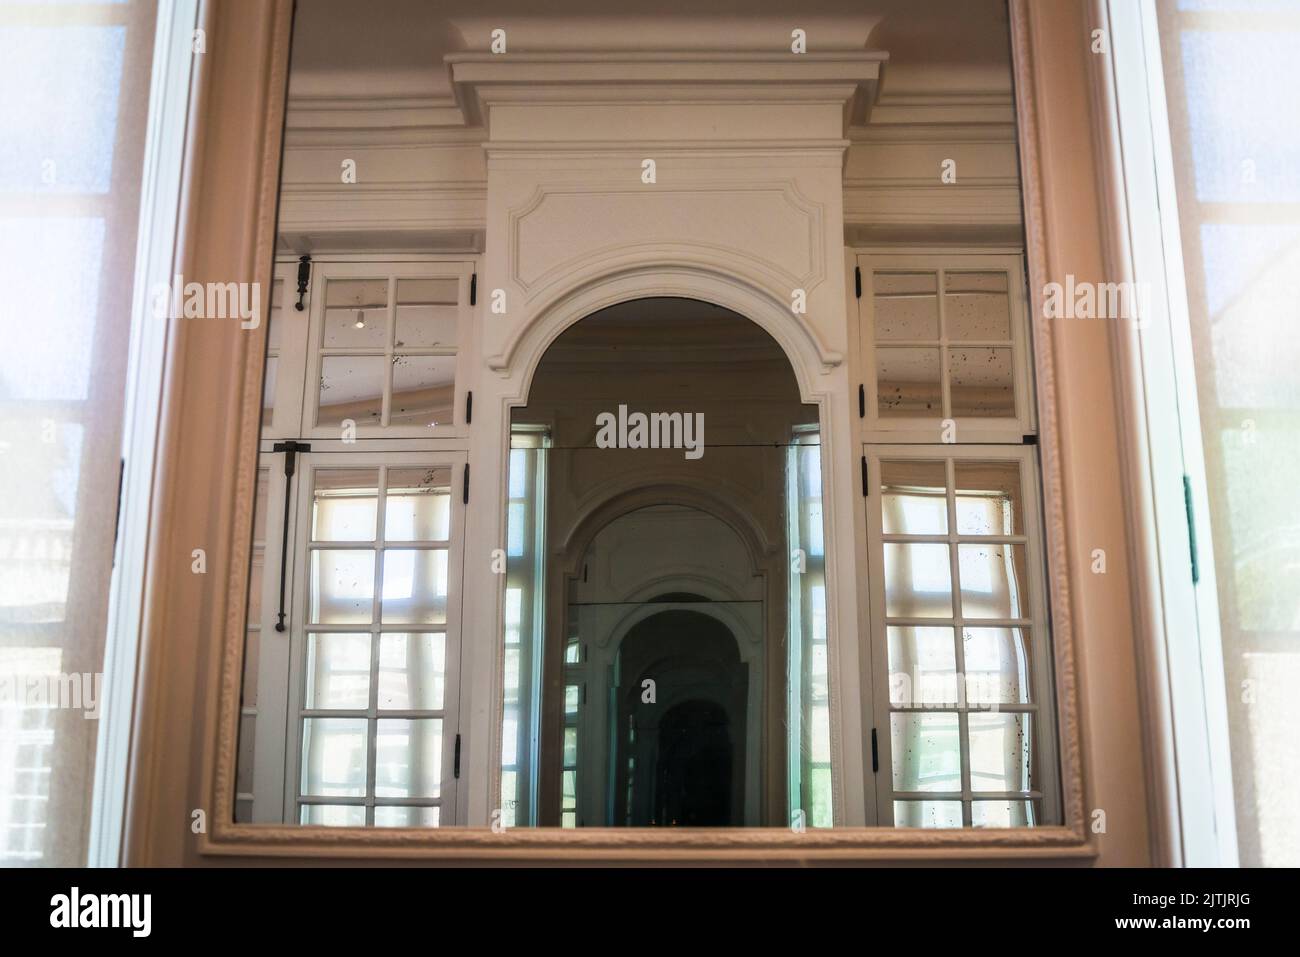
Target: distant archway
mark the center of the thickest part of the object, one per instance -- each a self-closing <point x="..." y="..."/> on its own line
<point x="679" y="755"/>
<point x="629" y="521"/>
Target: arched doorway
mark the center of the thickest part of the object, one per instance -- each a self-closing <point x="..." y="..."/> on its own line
<point x="659" y="455"/>
<point x="681" y="728"/>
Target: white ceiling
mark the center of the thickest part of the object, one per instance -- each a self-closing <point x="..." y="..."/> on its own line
<point x="343" y="48"/>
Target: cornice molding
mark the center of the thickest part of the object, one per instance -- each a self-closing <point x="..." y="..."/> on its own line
<point x="376" y="117"/>
<point x="481" y="80"/>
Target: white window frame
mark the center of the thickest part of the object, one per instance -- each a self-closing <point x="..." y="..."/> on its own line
<point x="323" y="272"/>
<point x="1043" y="692"/>
<point x="532" y="618"/>
<point x="1195" y="806"/>
<point x="450" y="711"/>
<point x="273" y="658"/>
<point x="877" y="428"/>
<point x="281" y="687"/>
<point x="263" y="548"/>
<point x="290" y="354"/>
<point x="161" y="184"/>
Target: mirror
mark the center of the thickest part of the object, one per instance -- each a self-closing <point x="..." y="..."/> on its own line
<point x="640" y="617"/>
<point x="665" y="619"/>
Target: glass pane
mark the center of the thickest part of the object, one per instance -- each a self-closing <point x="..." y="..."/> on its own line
<point x="988" y="498"/>
<point x="927" y="751"/>
<point x="569" y="788"/>
<point x="997" y="665"/>
<point x="343" y="505"/>
<point x="412" y="671"/>
<point x="274" y="322"/>
<point x="913" y="498"/>
<point x="424" y="390"/>
<point x="509" y="798"/>
<point x="922" y="666"/>
<point x="341" y="587"/>
<point x="980" y="383"/>
<point x="1002" y="814"/>
<point x="415" y="586"/>
<point x="906" y="306"/>
<point x="268" y="391"/>
<point x="907" y="383"/>
<point x="351" y="387"/>
<point x="682" y="761"/>
<point x="356" y="314"/>
<point x="252" y="649"/>
<point x="1239" y="213"/>
<point x="418" y="507"/>
<point x="976" y="306"/>
<point x="408" y="757"/>
<point x="994" y="581"/>
<point x="510" y="740"/>
<point x="918" y="581"/>
<point x="245" y="753"/>
<point x="260" y="505"/>
<point x="334" y="757"/>
<point x="256" y="579"/>
<point x="427" y="313"/>
<point x="338" y="672"/>
<point x="333" y="815"/>
<point x="999" y="751"/>
<point x="406" y="816"/>
<point x="927" y="814"/>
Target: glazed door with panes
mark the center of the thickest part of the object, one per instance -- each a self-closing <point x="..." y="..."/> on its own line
<point x="349" y="715"/>
<point x="375" y="640"/>
<point x="384" y="350"/>
<point x="963" y="703"/>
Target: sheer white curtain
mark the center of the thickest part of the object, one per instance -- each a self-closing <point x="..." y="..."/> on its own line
<point x="1232" y="88"/>
<point x="72" y="124"/>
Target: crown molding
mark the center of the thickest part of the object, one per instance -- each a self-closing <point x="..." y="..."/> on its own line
<point x="373" y="118"/>
<point x="481" y="80"/>
<point x="944" y="108"/>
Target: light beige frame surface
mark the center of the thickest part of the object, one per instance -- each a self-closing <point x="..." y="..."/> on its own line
<point x="185" y="735"/>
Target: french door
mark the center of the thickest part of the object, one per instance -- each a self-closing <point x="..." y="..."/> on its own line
<point x="358" y="695"/>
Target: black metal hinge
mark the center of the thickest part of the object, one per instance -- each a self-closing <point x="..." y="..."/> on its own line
<point x="455" y="761"/>
<point x="1191" y="529"/>
<point x="865" y="485"/>
<point x="857" y="281"/>
<point x="464" y="491"/>
<point x="875" y="753"/>
<point x="290" y="450"/>
<point x="473" y="289"/>
<point x="862" y="401"/>
<point x="304" y="277"/>
<point x="469" y="407"/>
<point x="1029" y="440"/>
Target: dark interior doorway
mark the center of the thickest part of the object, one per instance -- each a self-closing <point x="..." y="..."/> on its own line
<point x="680" y="759"/>
<point x="693" y="774"/>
